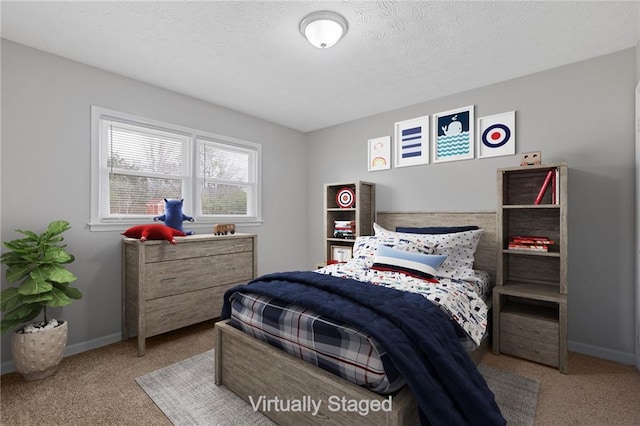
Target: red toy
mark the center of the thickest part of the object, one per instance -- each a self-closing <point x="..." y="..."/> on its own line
<point x="155" y="231"/>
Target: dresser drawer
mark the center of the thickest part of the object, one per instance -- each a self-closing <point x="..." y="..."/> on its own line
<point x="169" y="313"/>
<point x="536" y="339"/>
<point x="186" y="248"/>
<point x="180" y="276"/>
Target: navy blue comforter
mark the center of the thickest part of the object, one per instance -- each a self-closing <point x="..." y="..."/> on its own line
<point x="418" y="335"/>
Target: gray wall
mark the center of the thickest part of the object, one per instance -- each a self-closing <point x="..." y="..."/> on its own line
<point x="581" y="113"/>
<point x="46" y="171"/>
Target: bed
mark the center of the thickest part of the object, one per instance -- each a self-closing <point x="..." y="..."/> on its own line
<point x="257" y="371"/>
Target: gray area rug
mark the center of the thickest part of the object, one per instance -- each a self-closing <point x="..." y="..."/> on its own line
<point x="516" y="396"/>
<point x="186" y="394"/>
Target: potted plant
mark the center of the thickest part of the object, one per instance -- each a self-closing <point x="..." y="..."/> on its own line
<point x="36" y="267"/>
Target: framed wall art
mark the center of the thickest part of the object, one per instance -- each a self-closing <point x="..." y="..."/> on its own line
<point x="453" y="135"/>
<point x="379" y="153"/>
<point x="497" y="135"/>
<point x="412" y="142"/>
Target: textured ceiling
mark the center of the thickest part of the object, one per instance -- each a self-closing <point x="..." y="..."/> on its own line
<point x="249" y="56"/>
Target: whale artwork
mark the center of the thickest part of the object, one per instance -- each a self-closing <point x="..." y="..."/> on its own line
<point x="454" y="139"/>
<point x="453" y="128"/>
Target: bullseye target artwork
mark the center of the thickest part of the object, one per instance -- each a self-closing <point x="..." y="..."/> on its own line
<point x="496" y="135"/>
<point x="346" y="198"/>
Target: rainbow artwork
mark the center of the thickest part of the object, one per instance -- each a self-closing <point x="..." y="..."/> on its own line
<point x="378" y="162"/>
<point x="379" y="153"/>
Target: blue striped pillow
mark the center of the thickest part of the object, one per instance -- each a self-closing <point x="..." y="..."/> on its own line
<point x="424" y="266"/>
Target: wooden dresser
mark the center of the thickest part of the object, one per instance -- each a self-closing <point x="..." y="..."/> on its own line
<point x="165" y="286"/>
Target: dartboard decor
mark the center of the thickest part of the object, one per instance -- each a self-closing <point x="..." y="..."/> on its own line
<point x="346" y="198"/>
<point x="497" y="135"/>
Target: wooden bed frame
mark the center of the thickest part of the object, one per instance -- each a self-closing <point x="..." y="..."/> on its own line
<point x="251" y="368"/>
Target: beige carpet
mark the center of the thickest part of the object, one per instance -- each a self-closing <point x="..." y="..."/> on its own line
<point x="99" y="388"/>
<point x="186" y="394"/>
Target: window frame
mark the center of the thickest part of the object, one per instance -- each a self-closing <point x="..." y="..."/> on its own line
<point x="191" y="179"/>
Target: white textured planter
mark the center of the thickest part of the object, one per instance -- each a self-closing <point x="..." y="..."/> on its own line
<point x="37" y="355"/>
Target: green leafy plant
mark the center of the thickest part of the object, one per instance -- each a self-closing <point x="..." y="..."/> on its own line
<point x="36" y="265"/>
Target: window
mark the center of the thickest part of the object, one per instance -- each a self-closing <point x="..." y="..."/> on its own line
<point x="137" y="163"/>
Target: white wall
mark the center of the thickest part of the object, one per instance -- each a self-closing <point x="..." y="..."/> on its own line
<point x="581" y="113"/>
<point x="45" y="173"/>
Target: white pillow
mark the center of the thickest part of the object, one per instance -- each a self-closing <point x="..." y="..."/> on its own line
<point x="459" y="248"/>
<point x="415" y="243"/>
<point x="366" y="247"/>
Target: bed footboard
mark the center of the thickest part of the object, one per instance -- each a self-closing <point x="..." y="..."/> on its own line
<point x="253" y="369"/>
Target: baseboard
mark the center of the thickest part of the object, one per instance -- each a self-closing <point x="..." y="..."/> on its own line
<point x="76" y="348"/>
<point x="604" y="353"/>
<point x="583" y="348"/>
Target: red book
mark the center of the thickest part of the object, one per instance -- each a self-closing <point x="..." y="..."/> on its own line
<point x="553" y="188"/>
<point x="528" y="241"/>
<point x="530" y="247"/>
<point x="530" y="237"/>
<point x="547" y="180"/>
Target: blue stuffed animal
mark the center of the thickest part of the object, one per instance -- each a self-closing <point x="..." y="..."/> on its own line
<point x="173" y="216"/>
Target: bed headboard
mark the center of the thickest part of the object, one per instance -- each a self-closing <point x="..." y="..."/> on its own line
<point x="485" y="257"/>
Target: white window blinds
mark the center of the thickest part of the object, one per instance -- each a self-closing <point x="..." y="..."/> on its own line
<point x="143" y="167"/>
<point x="138" y="163"/>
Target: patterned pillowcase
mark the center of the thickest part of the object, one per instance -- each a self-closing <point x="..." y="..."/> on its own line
<point x="416" y="243"/>
<point x="366" y="247"/>
<point x="459" y="248"/>
<point x="424" y="266"/>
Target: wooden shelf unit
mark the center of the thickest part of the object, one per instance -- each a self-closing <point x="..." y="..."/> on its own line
<point x="530" y="297"/>
<point x="363" y="213"/>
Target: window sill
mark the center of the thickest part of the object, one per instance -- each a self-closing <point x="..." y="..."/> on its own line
<point x="201" y="226"/>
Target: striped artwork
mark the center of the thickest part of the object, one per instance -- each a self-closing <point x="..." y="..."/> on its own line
<point x="412" y="142"/>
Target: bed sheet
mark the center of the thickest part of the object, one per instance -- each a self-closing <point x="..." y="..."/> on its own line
<point x="464" y="301"/>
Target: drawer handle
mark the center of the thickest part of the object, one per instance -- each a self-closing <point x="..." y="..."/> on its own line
<point x="520" y="328"/>
<point x="169" y="279"/>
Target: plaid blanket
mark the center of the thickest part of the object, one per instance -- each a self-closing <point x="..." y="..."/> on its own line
<point x="416" y="333"/>
<point x="331" y="345"/>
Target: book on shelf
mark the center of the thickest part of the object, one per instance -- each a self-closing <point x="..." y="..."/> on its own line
<point x="547" y="180"/>
<point x="531" y="247"/>
<point x="556" y="187"/>
<point x="529" y="242"/>
<point x="344" y="229"/>
<point x="523" y="239"/>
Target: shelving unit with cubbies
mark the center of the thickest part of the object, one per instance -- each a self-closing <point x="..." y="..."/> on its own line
<point x="362" y="212"/>
<point x="530" y="297"/>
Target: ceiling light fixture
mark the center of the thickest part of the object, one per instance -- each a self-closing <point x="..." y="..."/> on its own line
<point x="323" y="29"/>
